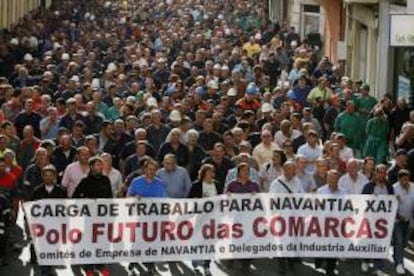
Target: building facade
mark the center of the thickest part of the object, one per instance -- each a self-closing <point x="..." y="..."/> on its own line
<point x="13" y="10"/>
<point x="371" y="40"/>
<point x="398" y="46"/>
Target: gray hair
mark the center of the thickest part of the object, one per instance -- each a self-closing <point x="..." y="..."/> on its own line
<point x="192" y="132"/>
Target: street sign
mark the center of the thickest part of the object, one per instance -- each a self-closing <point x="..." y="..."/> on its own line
<point x="401" y="30"/>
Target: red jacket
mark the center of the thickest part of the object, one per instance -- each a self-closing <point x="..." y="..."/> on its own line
<point x="8" y="181"/>
<point x="249" y="105"/>
<point x="16" y="171"/>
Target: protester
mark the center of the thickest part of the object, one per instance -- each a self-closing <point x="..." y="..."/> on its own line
<point x="208" y="82"/>
<point x="33" y="174"/>
<point x="271" y="170"/>
<point x="114" y="175"/>
<point x="8" y="207"/>
<point x="287" y="183"/>
<point x="221" y="164"/>
<point x="176" y="178"/>
<point x="330" y="188"/>
<point x="378" y="186"/>
<point x="76" y="171"/>
<point x="349" y="124"/>
<point x="306" y="178"/>
<point x="353" y="181"/>
<point x="376" y="144"/>
<point x="263" y="152"/>
<point x="404" y="189"/>
<point x="49" y="189"/>
<point x="204" y="186"/>
<point x="243" y="184"/>
<point x="94" y="185"/>
<point x="148" y="186"/>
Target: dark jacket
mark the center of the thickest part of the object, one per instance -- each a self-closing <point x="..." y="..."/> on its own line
<point x="94" y="186"/>
<point x="221" y="170"/>
<point x="67" y="121"/>
<point x="393" y="173"/>
<point x="40" y="192"/>
<point x="196" y="157"/>
<point x="61" y="161"/>
<point x="129" y="149"/>
<point x="369" y="189"/>
<point x="197" y="189"/>
<point x="181" y="153"/>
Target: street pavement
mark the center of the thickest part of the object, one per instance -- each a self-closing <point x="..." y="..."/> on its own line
<point x="19" y="266"/>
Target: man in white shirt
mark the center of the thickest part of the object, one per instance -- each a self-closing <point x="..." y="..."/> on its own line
<point x="307" y="180"/>
<point x="311" y="151"/>
<point x="287" y="183"/>
<point x="404" y="190"/>
<point x="345" y="153"/>
<point x="263" y="152"/>
<point x="331" y="188"/>
<point x="271" y="170"/>
<point x="286" y="132"/>
<point x="114" y="175"/>
<point x="353" y="181"/>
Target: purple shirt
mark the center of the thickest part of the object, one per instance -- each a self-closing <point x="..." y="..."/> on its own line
<point x="238" y="188"/>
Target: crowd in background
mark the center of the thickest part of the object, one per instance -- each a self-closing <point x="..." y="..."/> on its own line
<point x="197" y="98"/>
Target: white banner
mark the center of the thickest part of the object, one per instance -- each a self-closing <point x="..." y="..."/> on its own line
<point x="224" y="227"/>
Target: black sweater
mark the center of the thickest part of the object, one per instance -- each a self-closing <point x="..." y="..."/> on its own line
<point x="40" y="192"/>
<point x="197" y="189"/>
<point x="370" y="187"/>
<point x="94" y="186"/>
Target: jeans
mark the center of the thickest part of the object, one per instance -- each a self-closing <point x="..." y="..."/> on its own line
<point x="400" y="239"/>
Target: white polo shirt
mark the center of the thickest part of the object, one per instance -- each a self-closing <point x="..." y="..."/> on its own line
<point x="406" y="200"/>
<point x="352" y="187"/>
<point x="295" y="186"/>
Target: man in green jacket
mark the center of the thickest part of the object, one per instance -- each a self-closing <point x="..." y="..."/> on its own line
<point x="376" y="144"/>
<point x="364" y="104"/>
<point x="350" y="124"/>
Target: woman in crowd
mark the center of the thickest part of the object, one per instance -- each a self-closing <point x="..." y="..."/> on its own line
<point x="204" y="186"/>
<point x="243" y="185"/>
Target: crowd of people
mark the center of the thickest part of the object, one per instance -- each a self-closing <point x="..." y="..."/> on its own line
<point x="195" y="98"/>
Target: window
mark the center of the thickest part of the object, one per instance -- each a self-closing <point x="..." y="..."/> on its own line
<point x="310" y="19"/>
<point x="363" y="52"/>
<point x="399" y="2"/>
<point x="404" y="73"/>
<point x="275" y="10"/>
